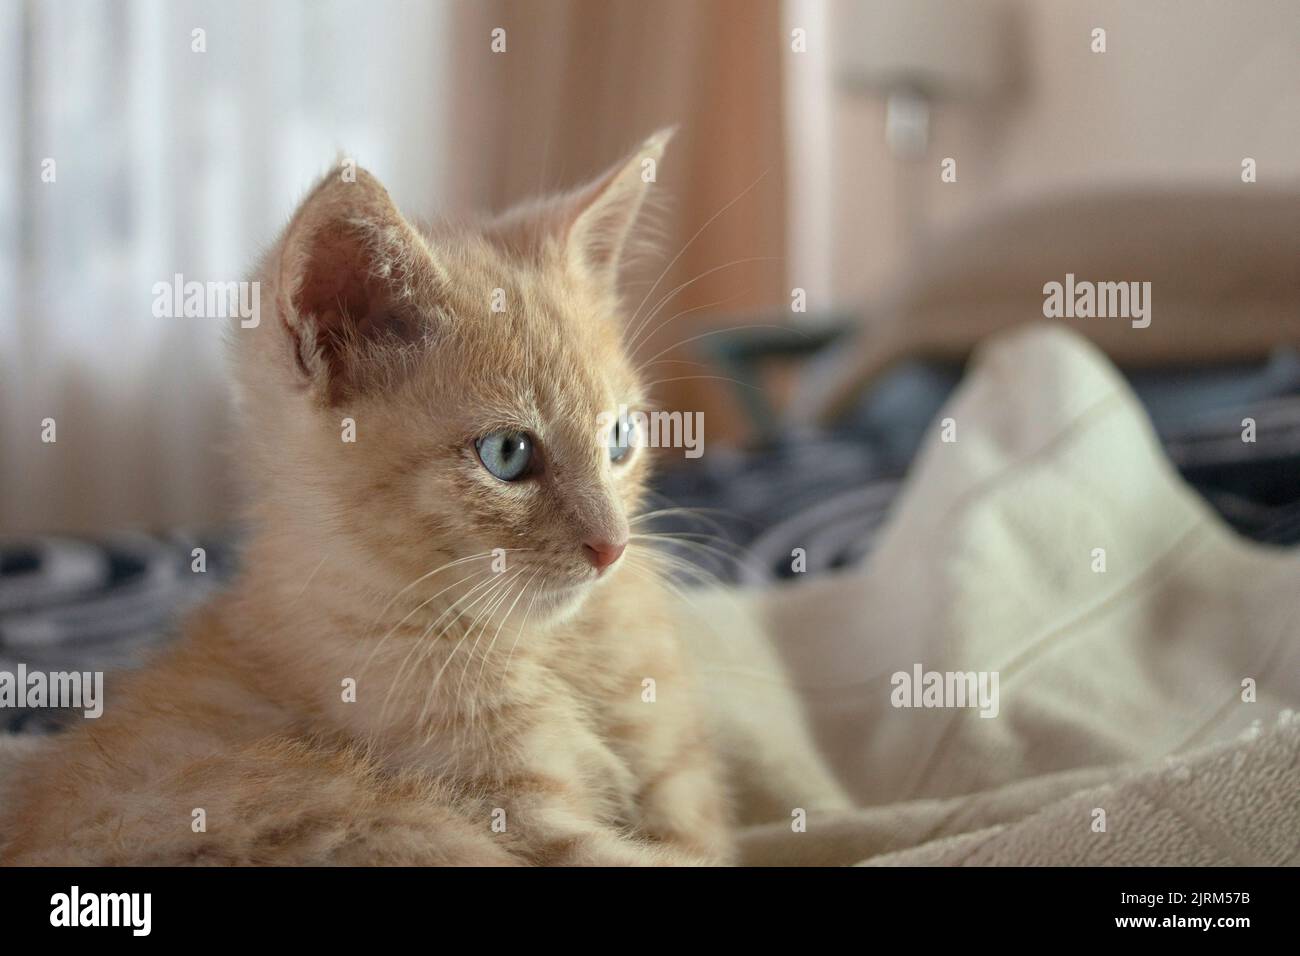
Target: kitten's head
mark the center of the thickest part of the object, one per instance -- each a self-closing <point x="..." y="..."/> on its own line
<point x="418" y="397"/>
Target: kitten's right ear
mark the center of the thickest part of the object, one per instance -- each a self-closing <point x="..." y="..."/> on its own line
<point x="591" y="225"/>
<point x="602" y="214"/>
<point x="355" y="280"/>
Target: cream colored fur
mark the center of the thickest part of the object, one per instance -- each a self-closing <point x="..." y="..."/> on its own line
<point x="483" y="696"/>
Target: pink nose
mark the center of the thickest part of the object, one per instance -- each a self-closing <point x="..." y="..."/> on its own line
<point x="602" y="554"/>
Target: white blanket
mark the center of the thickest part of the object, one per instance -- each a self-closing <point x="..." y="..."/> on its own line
<point x="1121" y="734"/>
<point x="1125" y="729"/>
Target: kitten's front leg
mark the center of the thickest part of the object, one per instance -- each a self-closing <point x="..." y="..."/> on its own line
<point x="562" y="806"/>
<point x="679" y="796"/>
<point x="604" y="847"/>
<point x="553" y="831"/>
<point x="685" y="807"/>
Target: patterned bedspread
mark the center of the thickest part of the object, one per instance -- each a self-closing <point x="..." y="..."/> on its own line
<point x="70" y="603"/>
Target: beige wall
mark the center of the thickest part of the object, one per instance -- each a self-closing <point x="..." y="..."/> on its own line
<point x="1185" y="90"/>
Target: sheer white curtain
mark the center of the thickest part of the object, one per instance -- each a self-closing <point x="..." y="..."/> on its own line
<point x="167" y="160"/>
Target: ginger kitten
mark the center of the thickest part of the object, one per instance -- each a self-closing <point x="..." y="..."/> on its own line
<point x="435" y="651"/>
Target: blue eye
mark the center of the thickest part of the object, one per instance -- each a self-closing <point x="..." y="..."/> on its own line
<point x="622" y="439"/>
<point x="506" y="455"/>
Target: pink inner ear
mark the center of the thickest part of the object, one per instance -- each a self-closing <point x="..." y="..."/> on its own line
<point x="336" y="286"/>
<point x="349" y="303"/>
<point x="343" y="297"/>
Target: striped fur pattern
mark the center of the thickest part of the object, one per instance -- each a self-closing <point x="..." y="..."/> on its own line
<point x="416" y="665"/>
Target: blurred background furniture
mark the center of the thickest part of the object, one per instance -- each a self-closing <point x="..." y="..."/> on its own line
<point x="170" y="155"/>
<point x="1224" y="268"/>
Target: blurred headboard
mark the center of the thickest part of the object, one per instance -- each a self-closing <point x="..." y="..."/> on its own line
<point x="1224" y="268"/>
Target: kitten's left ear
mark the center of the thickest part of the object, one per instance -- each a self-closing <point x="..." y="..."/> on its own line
<point x="598" y="218"/>
<point x="356" y="281"/>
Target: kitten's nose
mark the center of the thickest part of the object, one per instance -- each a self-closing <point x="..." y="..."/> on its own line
<point x="602" y="554"/>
